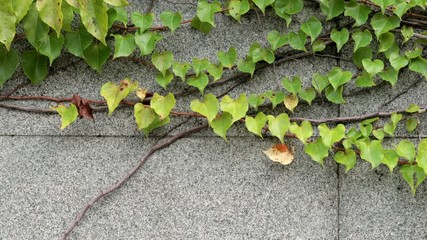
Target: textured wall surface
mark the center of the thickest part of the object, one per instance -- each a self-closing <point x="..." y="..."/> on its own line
<point x="201" y="187"/>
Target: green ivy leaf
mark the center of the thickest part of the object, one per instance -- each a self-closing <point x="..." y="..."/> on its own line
<point x="155" y="124"/>
<point x="386" y="41"/>
<point x="68" y="114"/>
<point x="257" y="53"/>
<point x="237" y="108"/>
<point x="35" y="66"/>
<point x="221" y="124"/>
<point x="337" y="77"/>
<point x="215" y="71"/>
<point x="277" y="40"/>
<point x="347" y="158"/>
<point x="390" y="159"/>
<point x="96" y="55"/>
<point x="162" y="61"/>
<point x="297" y="40"/>
<point x="302" y="132"/>
<point x="383" y="4"/>
<point x="390" y="127"/>
<point x="319" y="82"/>
<point x="330" y="136"/>
<point x="335" y="96"/>
<point x="203" y="27"/>
<point x="164" y="80"/>
<point x="208" y="108"/>
<point x="144" y="116"/>
<point x="262" y="4"/>
<point x="340" y="37"/>
<point x="163" y="105"/>
<point x="147" y="41"/>
<point x="293" y="86"/>
<point x="398" y="61"/>
<point x="419" y="65"/>
<point x="416" y="52"/>
<point x="312" y="28"/>
<point x="171" y="20"/>
<point x="19" y="8"/>
<point x="77" y="41"/>
<point x="359" y="12"/>
<point x="255" y="125"/>
<point x="122" y="15"/>
<point x="7" y="23"/>
<point x="35" y="30"/>
<point x="406" y="149"/>
<point x="360" y="54"/>
<point x="290" y="7"/>
<point x="279" y="125"/>
<point x="317" y="150"/>
<point x="114" y="93"/>
<point x="390" y="75"/>
<point x="117" y="3"/>
<point x="318" y="46"/>
<point x="112" y="14"/>
<point x="256" y="100"/>
<point x="366" y="129"/>
<point x="51" y="46"/>
<point x="124" y="45"/>
<point x="180" y="69"/>
<point x="361" y="39"/>
<point x="379" y="134"/>
<point x="307" y="95"/>
<point x="407" y="33"/>
<point x="200" y="65"/>
<point x="422" y="154"/>
<point x="291" y="102"/>
<point x="408" y="171"/>
<point x="372" y="67"/>
<point x="411" y="124"/>
<point x="227" y="59"/>
<point x="142" y="21"/>
<point x="199" y="82"/>
<point x="365" y="80"/>
<point x="9" y="61"/>
<point x="371" y="152"/>
<point x="246" y="66"/>
<point x="206" y="11"/>
<point x="237" y="8"/>
<point x="332" y="8"/>
<point x="280" y="10"/>
<point x="382" y="24"/>
<point x="73" y="3"/>
<point x="50" y="12"/>
<point x="275" y="98"/>
<point x="94" y="17"/>
<point x="413" y="108"/>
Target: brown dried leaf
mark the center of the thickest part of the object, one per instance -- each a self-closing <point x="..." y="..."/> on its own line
<point x="82" y="104"/>
<point x="280" y="153"/>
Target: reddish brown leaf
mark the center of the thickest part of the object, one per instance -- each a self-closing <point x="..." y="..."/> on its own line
<point x="82" y="104"/>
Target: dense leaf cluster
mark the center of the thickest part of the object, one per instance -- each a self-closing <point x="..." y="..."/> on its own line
<point x="380" y="35"/>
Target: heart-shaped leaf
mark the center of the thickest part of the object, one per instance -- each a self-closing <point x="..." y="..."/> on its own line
<point x="330" y="136"/>
<point x="163" y="105"/>
<point x="255" y="125"/>
<point x="237" y="108"/>
<point x="279" y="125"/>
<point x="208" y="108"/>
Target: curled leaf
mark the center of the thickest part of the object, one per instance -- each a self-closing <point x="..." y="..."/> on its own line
<point x="280" y="153"/>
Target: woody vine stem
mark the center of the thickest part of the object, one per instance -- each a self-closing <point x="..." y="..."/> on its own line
<point x="383" y="37"/>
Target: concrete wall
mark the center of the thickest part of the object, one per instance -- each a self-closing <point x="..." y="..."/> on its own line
<point x="201" y="187"/>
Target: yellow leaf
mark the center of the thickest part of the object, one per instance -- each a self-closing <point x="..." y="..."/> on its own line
<point x="291" y="101"/>
<point x="280" y="153"/>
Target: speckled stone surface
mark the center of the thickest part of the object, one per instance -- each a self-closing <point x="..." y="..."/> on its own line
<point x="199" y="188"/>
<point x="377" y="204"/>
